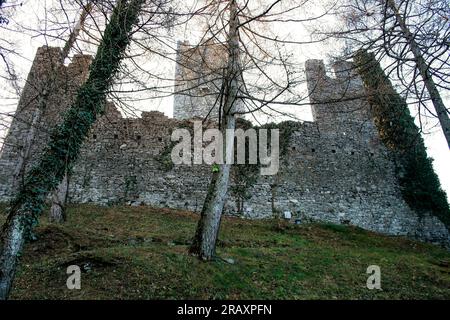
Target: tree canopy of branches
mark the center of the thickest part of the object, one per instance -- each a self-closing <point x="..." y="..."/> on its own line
<point x="257" y="74"/>
<point x="410" y="38"/>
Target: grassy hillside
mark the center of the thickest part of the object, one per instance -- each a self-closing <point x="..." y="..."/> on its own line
<point x="141" y="253"/>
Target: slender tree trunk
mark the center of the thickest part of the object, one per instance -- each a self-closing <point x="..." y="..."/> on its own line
<point x="12" y="243"/>
<point x="76" y="31"/>
<point x="59" y="196"/>
<point x="205" y="238"/>
<point x="37" y="114"/>
<point x="24" y="155"/>
<point x="66" y="141"/>
<point x="422" y="66"/>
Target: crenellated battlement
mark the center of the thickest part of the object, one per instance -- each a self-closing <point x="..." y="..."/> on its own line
<point x="339" y="102"/>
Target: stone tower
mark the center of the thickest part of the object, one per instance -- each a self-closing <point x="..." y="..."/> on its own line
<point x="338" y="104"/>
<point x="343" y="90"/>
<point x="49" y="90"/>
<point x="198" y="80"/>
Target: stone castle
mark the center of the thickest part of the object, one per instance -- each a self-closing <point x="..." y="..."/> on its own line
<point x="334" y="169"/>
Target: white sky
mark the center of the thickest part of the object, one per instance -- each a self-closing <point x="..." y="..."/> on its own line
<point x="26" y="43"/>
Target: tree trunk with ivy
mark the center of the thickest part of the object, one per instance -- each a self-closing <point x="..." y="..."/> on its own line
<point x="204" y="244"/>
<point x="66" y="140"/>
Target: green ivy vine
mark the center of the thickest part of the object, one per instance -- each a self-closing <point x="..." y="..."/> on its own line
<point x="419" y="183"/>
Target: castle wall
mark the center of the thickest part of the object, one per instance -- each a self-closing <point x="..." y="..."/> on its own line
<point x="335" y="168"/>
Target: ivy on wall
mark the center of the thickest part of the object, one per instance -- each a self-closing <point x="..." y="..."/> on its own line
<point x="164" y="158"/>
<point x="287" y="128"/>
<point x="419" y="183"/>
<point x="245" y="176"/>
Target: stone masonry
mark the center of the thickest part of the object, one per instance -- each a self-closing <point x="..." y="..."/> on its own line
<point x="335" y="169"/>
<point x="198" y="80"/>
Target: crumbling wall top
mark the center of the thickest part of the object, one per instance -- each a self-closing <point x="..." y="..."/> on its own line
<point x="337" y="102"/>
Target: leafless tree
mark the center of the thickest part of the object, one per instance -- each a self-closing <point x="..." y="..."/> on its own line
<point x="249" y="80"/>
<point x="67" y="138"/>
<point x="410" y="38"/>
<point x="59" y="196"/>
<point x="259" y="72"/>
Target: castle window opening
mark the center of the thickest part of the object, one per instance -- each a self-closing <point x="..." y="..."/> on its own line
<point x="313" y="150"/>
<point x="333" y="151"/>
<point x="204" y="90"/>
<point x="116" y="136"/>
<point x="94" y="136"/>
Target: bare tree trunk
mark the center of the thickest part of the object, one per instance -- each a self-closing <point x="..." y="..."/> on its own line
<point x="24" y="155"/>
<point x="205" y="238"/>
<point x="422" y="66"/>
<point x="76" y="31"/>
<point x="12" y="243"/>
<point x="66" y="141"/>
<point x="59" y="199"/>
<point x="59" y="196"/>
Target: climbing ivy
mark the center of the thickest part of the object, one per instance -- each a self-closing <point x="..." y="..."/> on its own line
<point x="419" y="183"/>
<point x="131" y="185"/>
<point x="3" y="19"/>
<point x="245" y="176"/>
<point x="287" y="128"/>
<point x="66" y="139"/>
<point x="164" y="158"/>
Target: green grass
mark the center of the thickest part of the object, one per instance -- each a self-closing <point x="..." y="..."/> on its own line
<point x="141" y="253"/>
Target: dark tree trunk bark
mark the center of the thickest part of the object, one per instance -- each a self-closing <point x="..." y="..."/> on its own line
<point x="66" y="140"/>
<point x="205" y="238"/>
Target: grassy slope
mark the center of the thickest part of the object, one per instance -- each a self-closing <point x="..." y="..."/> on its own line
<point x="140" y="253"/>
